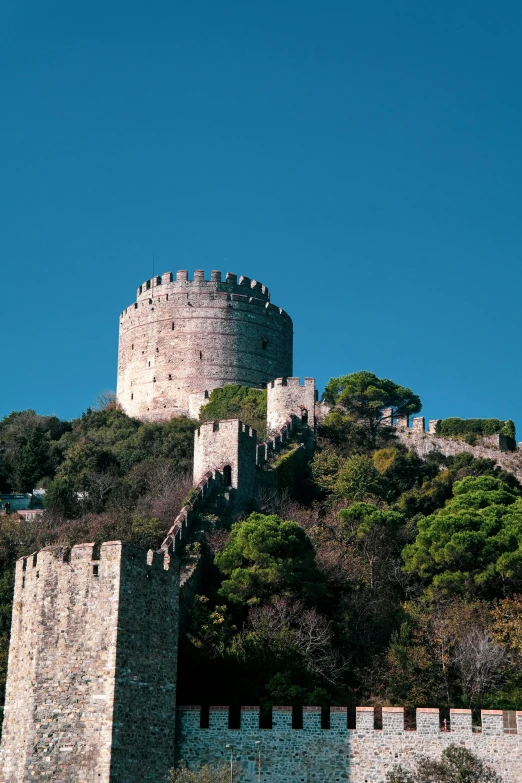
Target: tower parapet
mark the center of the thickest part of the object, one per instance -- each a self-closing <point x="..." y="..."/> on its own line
<point x="230" y="447"/>
<point x="288" y="397"/>
<point x="183" y="335"/>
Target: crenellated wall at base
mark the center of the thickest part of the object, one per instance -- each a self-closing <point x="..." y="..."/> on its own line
<point x="338" y="754"/>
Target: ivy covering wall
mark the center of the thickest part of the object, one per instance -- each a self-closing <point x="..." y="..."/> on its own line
<point x="475" y="427"/>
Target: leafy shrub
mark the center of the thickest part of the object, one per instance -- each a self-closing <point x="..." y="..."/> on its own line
<point x="287" y="469"/>
<point x="237" y="402"/>
<point x="456" y="765"/>
<point x="265" y="554"/>
<point x="462" y="427"/>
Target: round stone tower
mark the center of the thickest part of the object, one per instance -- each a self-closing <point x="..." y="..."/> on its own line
<point x="185" y="336"/>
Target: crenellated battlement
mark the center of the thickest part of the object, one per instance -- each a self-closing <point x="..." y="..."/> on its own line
<point x="227" y="426"/>
<point x="412" y="433"/>
<point x="230" y="447"/>
<point x="289" y="397"/>
<point x="427" y="720"/>
<point x="314" y="744"/>
<point x="181" y="281"/>
<point x="273" y="444"/>
<point x="88" y="696"/>
<point x="89" y="559"/>
<point x="211" y="482"/>
<point x="293" y="382"/>
<point x="183" y="334"/>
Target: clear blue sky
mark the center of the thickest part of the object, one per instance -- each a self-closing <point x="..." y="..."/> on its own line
<point x="363" y="160"/>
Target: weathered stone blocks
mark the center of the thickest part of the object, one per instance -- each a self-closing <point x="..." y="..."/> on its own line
<point x="287" y="397"/>
<point x="361" y="755"/>
<point x="230" y="447"/>
<point x="91" y="684"/>
<point x="184" y="337"/>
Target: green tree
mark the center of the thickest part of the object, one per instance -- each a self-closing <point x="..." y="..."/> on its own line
<point x="363" y="396"/>
<point x="359" y="480"/>
<point x="374" y="536"/>
<point x="474" y="543"/>
<point x="61" y="498"/>
<point x="147" y="532"/>
<point x="211" y="628"/>
<point x="342" y="434"/>
<point x="266" y="555"/>
<point x="437" y="486"/>
<point x="31" y="461"/>
<point x="28" y="449"/>
<point x="324" y="470"/>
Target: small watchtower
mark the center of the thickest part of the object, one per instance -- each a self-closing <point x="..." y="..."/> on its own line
<point x="287" y="397"/>
<point x="230" y="447"/>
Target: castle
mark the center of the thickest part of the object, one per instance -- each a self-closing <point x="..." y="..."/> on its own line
<point x="91" y="687"/>
<point x="183" y="337"/>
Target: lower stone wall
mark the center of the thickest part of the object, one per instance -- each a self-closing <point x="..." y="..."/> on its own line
<point x="338" y="754"/>
<point x="424" y="443"/>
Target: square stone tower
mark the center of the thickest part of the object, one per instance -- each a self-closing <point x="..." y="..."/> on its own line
<point x="287" y="397"/>
<point x="91" y="685"/>
<point x="230" y="447"/>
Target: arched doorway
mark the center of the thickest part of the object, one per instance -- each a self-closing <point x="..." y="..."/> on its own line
<point x="227" y="476"/>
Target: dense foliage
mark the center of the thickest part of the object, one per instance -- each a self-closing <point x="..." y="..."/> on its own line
<point x="465" y="427"/>
<point x="473" y="545"/>
<point x="29" y="451"/>
<point x="363" y="396"/>
<point x="237" y="402"/>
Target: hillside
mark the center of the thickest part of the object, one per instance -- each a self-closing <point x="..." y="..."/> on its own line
<point x="374" y="576"/>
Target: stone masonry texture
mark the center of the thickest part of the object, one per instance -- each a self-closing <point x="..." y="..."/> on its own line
<point x="91" y="684"/>
<point x="183" y="337"/>
<point x="286" y="397"/>
<point x="426" y="442"/>
<point x="227" y="443"/>
<point x="338" y="754"/>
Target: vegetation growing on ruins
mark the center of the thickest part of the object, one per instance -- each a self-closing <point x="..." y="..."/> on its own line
<point x="237" y="402"/>
<point x="474" y="431"/>
<point x="376" y="577"/>
<point x="448" y="428"/>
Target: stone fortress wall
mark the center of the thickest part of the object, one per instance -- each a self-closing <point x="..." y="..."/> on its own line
<point x="227" y="458"/>
<point x="230" y="447"/>
<point x="495" y="447"/>
<point x="183" y="337"/>
<point x="91" y="685"/>
<point x="337" y="754"/>
<point x="287" y="397"/>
